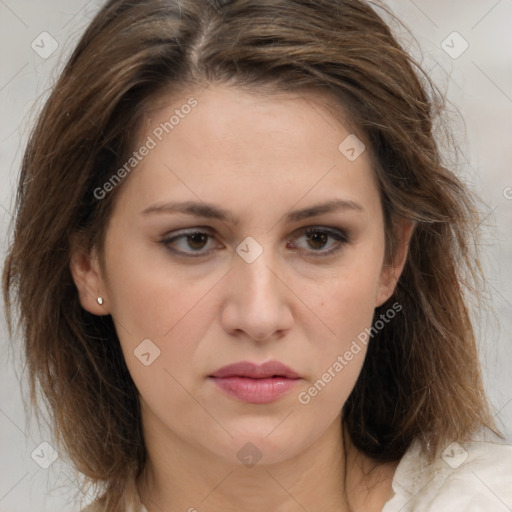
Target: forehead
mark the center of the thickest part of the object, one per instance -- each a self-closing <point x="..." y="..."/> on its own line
<point x="234" y="119"/>
<point x="246" y="147"/>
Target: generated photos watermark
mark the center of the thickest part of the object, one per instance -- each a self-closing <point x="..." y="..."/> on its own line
<point x="150" y="143"/>
<point x="304" y="397"/>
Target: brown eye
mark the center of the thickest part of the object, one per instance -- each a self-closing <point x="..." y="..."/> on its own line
<point x="197" y="240"/>
<point x="190" y="243"/>
<point x="319" y="238"/>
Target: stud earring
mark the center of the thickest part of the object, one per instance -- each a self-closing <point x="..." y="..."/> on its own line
<point x="99" y="300"/>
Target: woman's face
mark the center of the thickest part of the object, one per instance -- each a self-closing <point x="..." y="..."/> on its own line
<point x="238" y="278"/>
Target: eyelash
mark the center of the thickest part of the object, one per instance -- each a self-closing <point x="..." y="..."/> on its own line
<point x="339" y="235"/>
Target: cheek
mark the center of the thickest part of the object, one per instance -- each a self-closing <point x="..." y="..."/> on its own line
<point x="156" y="311"/>
<point x="346" y="300"/>
<point x="147" y="295"/>
<point x="160" y="324"/>
<point x="344" y="305"/>
<point x="348" y="317"/>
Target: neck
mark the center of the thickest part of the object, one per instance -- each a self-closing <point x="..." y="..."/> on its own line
<point x="181" y="477"/>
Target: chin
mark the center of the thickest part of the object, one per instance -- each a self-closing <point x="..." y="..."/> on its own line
<point x="260" y="445"/>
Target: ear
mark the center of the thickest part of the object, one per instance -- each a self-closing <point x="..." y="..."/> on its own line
<point x="392" y="269"/>
<point x="87" y="275"/>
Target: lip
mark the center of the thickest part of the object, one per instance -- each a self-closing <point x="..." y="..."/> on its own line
<point x="256" y="383"/>
<point x="256" y="371"/>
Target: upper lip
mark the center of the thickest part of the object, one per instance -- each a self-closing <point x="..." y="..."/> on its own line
<point x="256" y="371"/>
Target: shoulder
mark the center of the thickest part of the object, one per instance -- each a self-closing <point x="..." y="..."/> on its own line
<point x="469" y="477"/>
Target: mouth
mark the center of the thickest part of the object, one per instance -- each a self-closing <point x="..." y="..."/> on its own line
<point x="256" y="384"/>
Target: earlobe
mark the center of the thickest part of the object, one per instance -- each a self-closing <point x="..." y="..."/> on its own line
<point x="392" y="269"/>
<point x="86" y="273"/>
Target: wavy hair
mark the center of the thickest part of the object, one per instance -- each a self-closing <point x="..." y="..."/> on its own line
<point x="421" y="378"/>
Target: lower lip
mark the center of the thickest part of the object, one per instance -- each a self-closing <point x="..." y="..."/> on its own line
<point x="256" y="391"/>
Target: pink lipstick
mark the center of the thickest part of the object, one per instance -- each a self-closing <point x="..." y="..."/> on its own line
<point x="256" y="383"/>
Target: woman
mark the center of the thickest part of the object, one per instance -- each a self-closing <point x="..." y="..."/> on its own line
<point x="246" y="289"/>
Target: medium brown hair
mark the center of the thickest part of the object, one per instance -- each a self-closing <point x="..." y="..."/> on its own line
<point x="421" y="377"/>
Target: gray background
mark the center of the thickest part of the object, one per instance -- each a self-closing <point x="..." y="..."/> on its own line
<point x="478" y="84"/>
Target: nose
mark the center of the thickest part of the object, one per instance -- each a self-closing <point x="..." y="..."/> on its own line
<point x="257" y="301"/>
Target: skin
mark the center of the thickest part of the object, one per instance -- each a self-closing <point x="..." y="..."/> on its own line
<point x="259" y="157"/>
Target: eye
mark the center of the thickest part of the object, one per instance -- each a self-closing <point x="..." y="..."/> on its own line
<point x="317" y="238"/>
<point x="190" y="243"/>
<point x="200" y="242"/>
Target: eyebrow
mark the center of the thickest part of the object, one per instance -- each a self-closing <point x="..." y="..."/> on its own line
<point x="211" y="211"/>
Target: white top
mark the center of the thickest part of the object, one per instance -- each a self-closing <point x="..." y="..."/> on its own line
<point x="472" y="477"/>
